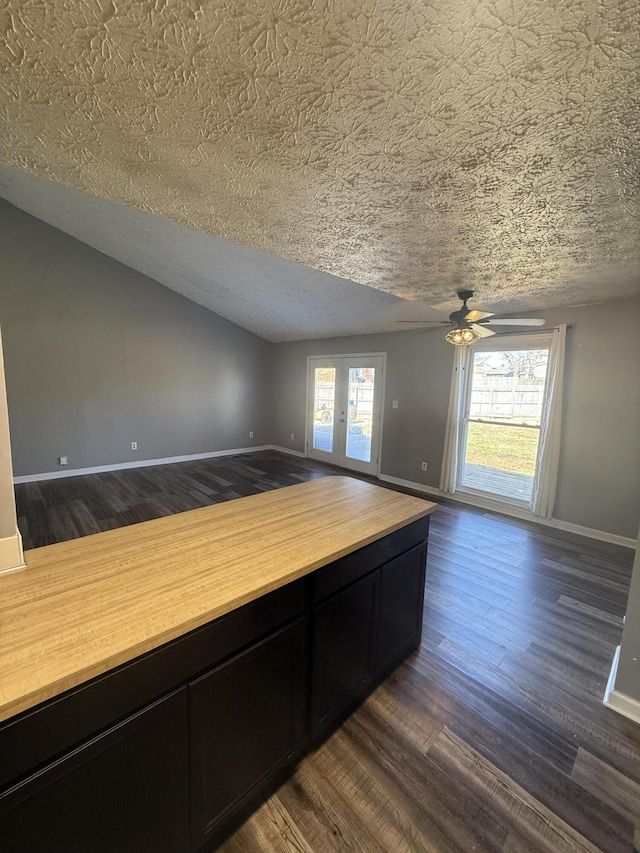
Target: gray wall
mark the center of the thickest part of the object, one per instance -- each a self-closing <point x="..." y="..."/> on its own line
<point x="599" y="478"/>
<point x="97" y="356"/>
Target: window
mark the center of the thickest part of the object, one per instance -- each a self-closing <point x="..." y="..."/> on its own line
<point x="502" y="418"/>
<point x="505" y="419"/>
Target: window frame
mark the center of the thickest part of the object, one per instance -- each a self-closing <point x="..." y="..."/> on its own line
<point x="519" y="342"/>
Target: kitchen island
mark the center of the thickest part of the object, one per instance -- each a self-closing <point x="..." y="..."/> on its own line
<point x="157" y="678"/>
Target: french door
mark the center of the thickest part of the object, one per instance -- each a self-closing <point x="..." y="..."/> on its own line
<point x="344" y="410"/>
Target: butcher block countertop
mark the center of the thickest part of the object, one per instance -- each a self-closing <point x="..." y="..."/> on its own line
<point x="82" y="607"/>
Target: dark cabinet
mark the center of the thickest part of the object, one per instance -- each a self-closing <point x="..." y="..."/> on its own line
<point x="246" y="722"/>
<point x="166" y="752"/>
<point x="343" y="649"/>
<point x="401" y="607"/>
<point x="125" y="790"/>
<point x="362" y="631"/>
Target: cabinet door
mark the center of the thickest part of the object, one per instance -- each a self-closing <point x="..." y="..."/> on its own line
<point x="124" y="791"/>
<point x="401" y="607"/>
<point x="246" y="723"/>
<point x="343" y="645"/>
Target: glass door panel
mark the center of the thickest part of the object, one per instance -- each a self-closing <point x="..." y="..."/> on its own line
<point x="360" y="413"/>
<point x="324" y="398"/>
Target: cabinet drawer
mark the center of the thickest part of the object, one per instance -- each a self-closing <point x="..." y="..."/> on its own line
<point x="348" y="569"/>
<point x="36" y="737"/>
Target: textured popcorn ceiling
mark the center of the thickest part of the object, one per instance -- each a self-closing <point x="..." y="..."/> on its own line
<point x="274" y="298"/>
<point x="414" y="147"/>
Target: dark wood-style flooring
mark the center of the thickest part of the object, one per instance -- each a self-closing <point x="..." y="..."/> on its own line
<point x="493" y="737"/>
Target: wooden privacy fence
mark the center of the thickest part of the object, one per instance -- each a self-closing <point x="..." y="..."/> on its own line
<point x="506" y="398"/>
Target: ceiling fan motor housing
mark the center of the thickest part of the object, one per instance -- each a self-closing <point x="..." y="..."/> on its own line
<point x="472" y="323"/>
<point x="458" y="316"/>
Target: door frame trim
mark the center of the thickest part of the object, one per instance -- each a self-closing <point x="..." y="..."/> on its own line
<point x="382" y="355"/>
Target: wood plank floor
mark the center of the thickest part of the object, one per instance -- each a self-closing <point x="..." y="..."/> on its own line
<point x="493" y="737"/>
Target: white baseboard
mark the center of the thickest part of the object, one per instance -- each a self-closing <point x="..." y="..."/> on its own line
<point x="11" y="554"/>
<point x="612" y="676"/>
<point x="143" y="463"/>
<point x="623" y="704"/>
<point x="620" y="702"/>
<point x="286" y="450"/>
<point x="514" y="512"/>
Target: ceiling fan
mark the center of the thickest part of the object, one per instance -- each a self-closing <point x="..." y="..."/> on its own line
<point x="469" y="325"/>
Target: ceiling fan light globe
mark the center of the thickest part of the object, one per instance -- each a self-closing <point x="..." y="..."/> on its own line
<point x="462" y="337"/>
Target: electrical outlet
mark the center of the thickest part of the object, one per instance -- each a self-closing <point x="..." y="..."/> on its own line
<point x="63" y="460"/>
<point x="424" y="466"/>
<point x="395" y="404"/>
<point x="292" y="438"/>
<point x="134" y="445"/>
<point x="251" y="434"/>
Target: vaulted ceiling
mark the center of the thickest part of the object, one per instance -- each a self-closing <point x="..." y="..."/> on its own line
<point x="396" y="149"/>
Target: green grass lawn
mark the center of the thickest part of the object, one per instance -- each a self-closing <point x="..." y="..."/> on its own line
<point x="506" y="448"/>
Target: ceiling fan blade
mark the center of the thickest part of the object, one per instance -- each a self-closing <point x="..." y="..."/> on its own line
<point x="447" y="305"/>
<point x="516" y="321"/>
<point x="424" y="322"/>
<point x="473" y="316"/>
<point x="482" y="330"/>
<point x="432" y="329"/>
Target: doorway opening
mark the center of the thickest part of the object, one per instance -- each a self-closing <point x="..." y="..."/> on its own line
<point x="344" y="410"/>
